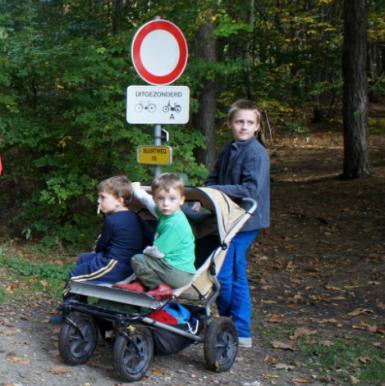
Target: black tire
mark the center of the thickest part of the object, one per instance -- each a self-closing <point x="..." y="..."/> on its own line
<point x="133" y="353"/>
<point x="78" y="339"/>
<point x="220" y="344"/>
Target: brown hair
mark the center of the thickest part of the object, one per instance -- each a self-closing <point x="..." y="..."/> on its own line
<point x="244" y="104"/>
<point x="119" y="186"/>
<point x="167" y="181"/>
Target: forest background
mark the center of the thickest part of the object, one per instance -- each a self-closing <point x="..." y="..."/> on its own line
<point x="65" y="67"/>
<point x="317" y="275"/>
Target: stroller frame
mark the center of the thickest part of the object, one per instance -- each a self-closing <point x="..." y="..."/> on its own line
<point x="133" y="347"/>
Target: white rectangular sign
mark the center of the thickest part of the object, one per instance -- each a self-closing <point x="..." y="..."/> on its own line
<point x="158" y="104"/>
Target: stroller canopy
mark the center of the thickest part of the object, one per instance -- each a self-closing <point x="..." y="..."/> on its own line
<point x="229" y="216"/>
<point x="218" y="212"/>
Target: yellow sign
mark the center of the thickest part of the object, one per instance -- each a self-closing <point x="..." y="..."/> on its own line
<point x="154" y="155"/>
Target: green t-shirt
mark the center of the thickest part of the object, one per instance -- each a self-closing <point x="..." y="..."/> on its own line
<point x="174" y="238"/>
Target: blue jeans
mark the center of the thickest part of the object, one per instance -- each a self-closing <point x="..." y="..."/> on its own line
<point x="234" y="298"/>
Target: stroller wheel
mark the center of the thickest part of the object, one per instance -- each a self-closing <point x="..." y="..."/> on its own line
<point x="133" y="353"/>
<point x="220" y="344"/>
<point x="78" y="339"/>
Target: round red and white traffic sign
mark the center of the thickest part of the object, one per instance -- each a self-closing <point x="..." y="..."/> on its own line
<point x="159" y="52"/>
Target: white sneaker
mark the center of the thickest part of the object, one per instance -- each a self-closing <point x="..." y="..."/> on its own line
<point x="245" y="342"/>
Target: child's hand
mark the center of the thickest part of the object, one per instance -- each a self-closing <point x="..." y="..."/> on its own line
<point x="135" y="186"/>
<point x="196" y="206"/>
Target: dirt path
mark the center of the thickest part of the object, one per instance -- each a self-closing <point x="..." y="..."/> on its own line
<point x="29" y="356"/>
<point x="316" y="275"/>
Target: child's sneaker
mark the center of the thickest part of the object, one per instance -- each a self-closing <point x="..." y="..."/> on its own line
<point x="135" y="286"/>
<point x="245" y="342"/>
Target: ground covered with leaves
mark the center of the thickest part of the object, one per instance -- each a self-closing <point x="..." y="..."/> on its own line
<point x="317" y="278"/>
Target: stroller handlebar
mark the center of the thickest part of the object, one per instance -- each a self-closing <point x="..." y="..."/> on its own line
<point x="253" y="203"/>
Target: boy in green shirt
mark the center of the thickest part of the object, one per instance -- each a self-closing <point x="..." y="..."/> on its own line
<point x="169" y="262"/>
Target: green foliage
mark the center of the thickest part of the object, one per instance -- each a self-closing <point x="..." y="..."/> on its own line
<point x="28" y="276"/>
<point x="64" y="69"/>
<point x="295" y="128"/>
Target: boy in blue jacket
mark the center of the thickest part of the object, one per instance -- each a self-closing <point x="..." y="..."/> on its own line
<point x="242" y="170"/>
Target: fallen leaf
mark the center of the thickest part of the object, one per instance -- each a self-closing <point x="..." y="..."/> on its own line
<point x="272" y="359"/>
<point x="319" y="298"/>
<point x="353" y="380"/>
<point x="158" y="372"/>
<point x="360" y="311"/>
<point x="272" y="376"/>
<point x="351" y="287"/>
<point x="58" y="370"/>
<point x="12" y="357"/>
<point x="326" y="343"/>
<point x="291" y="266"/>
<point x="301" y="380"/>
<point x="8" y="332"/>
<point x="268" y="301"/>
<point x="301" y="331"/>
<point x="56" y="329"/>
<point x="297" y="298"/>
<point x="338" y="298"/>
<point x="6" y="322"/>
<point x="333" y="287"/>
<point x="364" y="359"/>
<point x="284" y="366"/>
<point x="370" y="327"/>
<point x="281" y="345"/>
<point x="323" y="321"/>
<point x="276" y="318"/>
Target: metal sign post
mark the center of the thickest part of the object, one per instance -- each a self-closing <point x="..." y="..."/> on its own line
<point x="157" y="142"/>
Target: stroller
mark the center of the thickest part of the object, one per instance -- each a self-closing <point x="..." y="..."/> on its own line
<point x="139" y="322"/>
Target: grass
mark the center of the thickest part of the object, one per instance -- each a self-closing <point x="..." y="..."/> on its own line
<point x="22" y="275"/>
<point x="354" y="360"/>
<point x="358" y="360"/>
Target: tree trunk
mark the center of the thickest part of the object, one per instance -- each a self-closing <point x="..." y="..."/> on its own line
<point x="116" y="16"/>
<point x="355" y="102"/>
<point x="204" y="120"/>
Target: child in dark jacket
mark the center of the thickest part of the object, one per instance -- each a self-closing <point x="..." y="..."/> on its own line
<point x="120" y="239"/>
<point x="242" y="170"/>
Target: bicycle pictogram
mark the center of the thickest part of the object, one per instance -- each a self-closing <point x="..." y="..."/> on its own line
<point x="146" y="106"/>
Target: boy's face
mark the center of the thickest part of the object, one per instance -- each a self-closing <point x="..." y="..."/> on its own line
<point x="244" y="125"/>
<point x="170" y="201"/>
<point x="108" y="203"/>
